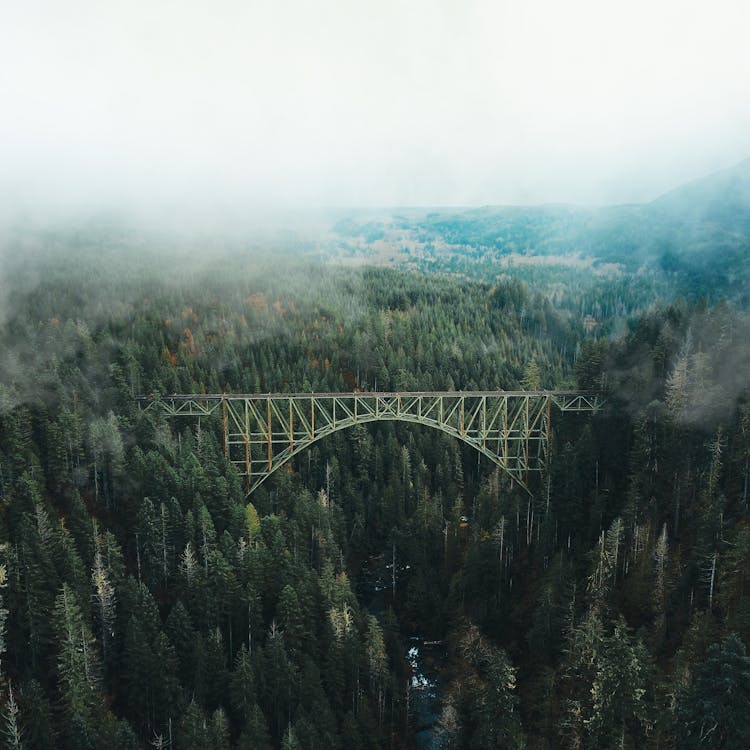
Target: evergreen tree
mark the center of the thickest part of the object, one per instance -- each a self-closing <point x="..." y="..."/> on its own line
<point x="712" y="711"/>
<point x="77" y="665"/>
<point x="11" y="723"/>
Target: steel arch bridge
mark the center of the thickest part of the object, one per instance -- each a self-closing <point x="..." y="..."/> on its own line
<point x="261" y="432"/>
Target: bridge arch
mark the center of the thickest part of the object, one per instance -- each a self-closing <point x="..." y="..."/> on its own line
<point x="283" y="457"/>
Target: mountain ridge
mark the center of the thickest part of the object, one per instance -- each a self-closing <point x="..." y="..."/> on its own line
<point x="701" y="227"/>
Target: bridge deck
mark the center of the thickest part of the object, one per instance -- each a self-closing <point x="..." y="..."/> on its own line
<point x="353" y="394"/>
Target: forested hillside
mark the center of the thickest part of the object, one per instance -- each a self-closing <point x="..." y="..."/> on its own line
<point x="146" y="602"/>
<point x="692" y="241"/>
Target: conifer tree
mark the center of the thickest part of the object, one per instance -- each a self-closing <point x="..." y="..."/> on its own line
<point x="11" y="723"/>
<point x="104" y="598"/>
<point x="712" y="711"/>
<point x="78" y="668"/>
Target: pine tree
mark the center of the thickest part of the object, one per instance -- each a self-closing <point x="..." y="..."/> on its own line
<point x="290" y="741"/>
<point x="11" y="724"/>
<point x="532" y="376"/>
<point x="492" y="720"/>
<point x="3" y="611"/>
<point x="661" y="561"/>
<point x="77" y="666"/>
<point x="219" y="730"/>
<point x="40" y="724"/>
<point x="377" y="662"/>
<point x="192" y="729"/>
<point x="619" y="713"/>
<point x="292" y="622"/>
<point x="712" y="712"/>
<point x="242" y="693"/>
<point x="138" y="661"/>
<point x="255" y="735"/>
<point x="104" y="598"/>
<point x="108" y="454"/>
<point x="676" y="388"/>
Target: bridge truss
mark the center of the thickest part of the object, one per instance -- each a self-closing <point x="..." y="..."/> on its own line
<point x="261" y="432"/>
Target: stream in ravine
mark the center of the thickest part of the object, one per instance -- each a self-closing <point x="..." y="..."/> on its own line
<point x="426" y="659"/>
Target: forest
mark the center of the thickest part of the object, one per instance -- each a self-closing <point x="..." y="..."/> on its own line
<point x="146" y="602"/>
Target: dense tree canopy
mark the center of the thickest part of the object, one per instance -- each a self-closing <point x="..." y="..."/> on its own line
<point x="144" y="600"/>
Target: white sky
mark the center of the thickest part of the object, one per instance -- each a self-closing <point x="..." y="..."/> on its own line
<point x="367" y="102"/>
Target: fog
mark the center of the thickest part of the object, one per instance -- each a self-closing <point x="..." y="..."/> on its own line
<point x="268" y="106"/>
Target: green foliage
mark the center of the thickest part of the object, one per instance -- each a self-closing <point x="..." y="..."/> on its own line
<point x="489" y="718"/>
<point x="11" y="729"/>
<point x="712" y="711"/>
<point x="252" y="520"/>
<point x="143" y="596"/>
<point x="619" y="709"/>
<point x="77" y="666"/>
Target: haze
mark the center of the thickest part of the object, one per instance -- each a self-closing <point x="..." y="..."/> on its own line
<point x="290" y="103"/>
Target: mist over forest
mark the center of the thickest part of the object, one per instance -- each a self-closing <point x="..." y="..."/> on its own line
<point x="388" y="586"/>
<point x="375" y="375"/>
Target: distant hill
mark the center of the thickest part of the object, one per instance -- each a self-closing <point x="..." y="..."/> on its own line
<point x="721" y="200"/>
<point x="700" y="231"/>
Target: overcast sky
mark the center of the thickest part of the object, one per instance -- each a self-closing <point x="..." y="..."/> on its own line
<point x="367" y="102"/>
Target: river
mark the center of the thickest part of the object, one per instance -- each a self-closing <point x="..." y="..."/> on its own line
<point x="426" y="660"/>
<point x="427" y="663"/>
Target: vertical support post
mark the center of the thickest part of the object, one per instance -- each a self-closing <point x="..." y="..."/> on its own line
<point x="268" y="427"/>
<point x="484" y="421"/>
<point x="291" y="428"/>
<point x="505" y="431"/>
<point x="526" y="432"/>
<point x="312" y="417"/>
<point x="247" y="447"/>
<point x="463" y="428"/>
<point x="247" y="466"/>
<point x="548" y="436"/>
<point x="224" y="442"/>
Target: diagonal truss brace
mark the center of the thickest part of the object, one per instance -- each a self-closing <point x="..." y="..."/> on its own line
<point x="261" y="432"/>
